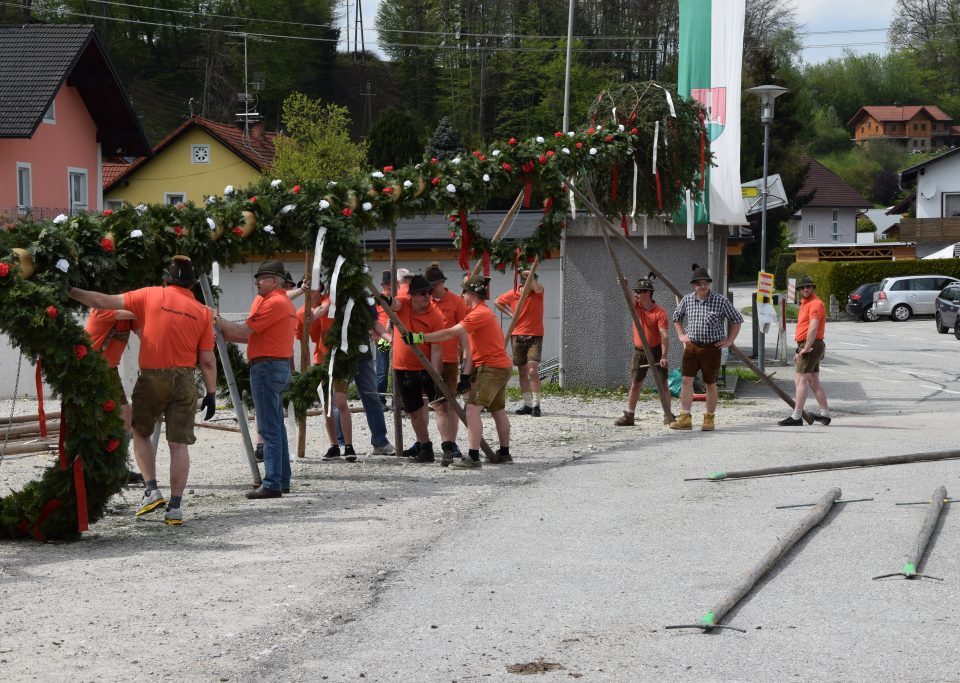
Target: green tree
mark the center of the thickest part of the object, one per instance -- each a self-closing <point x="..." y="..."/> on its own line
<point x="316" y="144"/>
<point x="827" y="133"/>
<point x="393" y="140"/>
<point x="445" y="141"/>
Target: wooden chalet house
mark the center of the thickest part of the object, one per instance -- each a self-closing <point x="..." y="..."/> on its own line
<point x="62" y="111"/>
<point x="918" y="128"/>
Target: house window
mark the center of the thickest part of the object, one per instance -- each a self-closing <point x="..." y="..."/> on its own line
<point x="200" y="154"/>
<point x="835" y="226"/>
<point x="951" y="203"/>
<point x="24" y="188"/>
<point x="50" y="116"/>
<point x="923" y="143"/>
<point x="174" y="198"/>
<point x="916" y="126"/>
<point x="811" y="232"/>
<point x="114" y="204"/>
<point x="77" y="188"/>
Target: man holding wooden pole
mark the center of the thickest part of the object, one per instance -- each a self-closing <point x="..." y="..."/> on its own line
<point x="526" y="338"/>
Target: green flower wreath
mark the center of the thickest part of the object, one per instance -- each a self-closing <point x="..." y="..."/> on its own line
<point x="128" y="248"/>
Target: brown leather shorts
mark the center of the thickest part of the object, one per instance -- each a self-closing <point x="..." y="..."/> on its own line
<point x="171" y="394"/>
<point x="706" y="359"/>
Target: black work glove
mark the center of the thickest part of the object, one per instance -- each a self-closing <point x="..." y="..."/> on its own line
<point x="210" y="403"/>
<point x="463" y="386"/>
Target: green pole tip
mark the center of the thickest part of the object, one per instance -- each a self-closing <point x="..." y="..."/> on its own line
<point x="709" y="619"/>
<point x="909" y="569"/>
<point x="717" y="475"/>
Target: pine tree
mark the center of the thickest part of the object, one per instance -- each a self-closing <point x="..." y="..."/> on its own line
<point x="445" y="141"/>
<point x="394" y="140"/>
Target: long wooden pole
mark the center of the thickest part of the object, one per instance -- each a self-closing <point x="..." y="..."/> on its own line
<point x="605" y="223"/>
<point x="17" y="419"/>
<point x="915" y="556"/>
<point x="505" y="226"/>
<point x="397" y="407"/>
<point x="432" y="371"/>
<point x="907" y="459"/>
<point x="305" y="351"/>
<point x="527" y="287"/>
<point x="712" y="619"/>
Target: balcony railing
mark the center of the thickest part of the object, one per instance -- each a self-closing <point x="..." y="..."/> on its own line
<point x="21" y="214"/>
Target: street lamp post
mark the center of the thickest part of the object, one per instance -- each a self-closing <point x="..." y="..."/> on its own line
<point x="767" y="95"/>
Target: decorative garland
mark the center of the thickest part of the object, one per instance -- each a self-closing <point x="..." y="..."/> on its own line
<point x="128" y="248"/>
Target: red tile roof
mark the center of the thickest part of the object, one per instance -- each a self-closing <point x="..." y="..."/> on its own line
<point x="829" y="189"/>
<point x="112" y="172"/>
<point x="256" y="148"/>
<point x="898" y="114"/>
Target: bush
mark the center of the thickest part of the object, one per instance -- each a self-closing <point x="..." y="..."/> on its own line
<point x="842" y="277"/>
<point x="780" y="268"/>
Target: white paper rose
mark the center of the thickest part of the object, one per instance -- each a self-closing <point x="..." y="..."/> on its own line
<point x="228" y="190"/>
<point x="60" y="219"/>
<point x="276" y="183"/>
<point x="451" y="188"/>
<point x="63" y="265"/>
<point x="366" y="206"/>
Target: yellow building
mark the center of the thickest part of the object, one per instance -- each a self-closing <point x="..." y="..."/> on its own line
<point x="196" y="160"/>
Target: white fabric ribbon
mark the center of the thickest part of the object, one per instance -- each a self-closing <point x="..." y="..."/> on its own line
<point x="673" y="112"/>
<point x="656" y="142"/>
<point x="344" y="329"/>
<point x="215" y="273"/>
<point x="633" y="211"/>
<point x="644" y="231"/>
<point x="329" y="406"/>
<point x="317" y="255"/>
<point x="573" y="201"/>
<point x="690" y="216"/>
<point x="332" y="313"/>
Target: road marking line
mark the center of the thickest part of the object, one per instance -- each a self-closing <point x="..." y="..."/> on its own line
<point x="851" y="343"/>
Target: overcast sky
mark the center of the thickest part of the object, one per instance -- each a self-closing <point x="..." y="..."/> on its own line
<point x="815" y="15"/>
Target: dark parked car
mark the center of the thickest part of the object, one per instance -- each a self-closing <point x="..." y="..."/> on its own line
<point x="948" y="305"/>
<point x="860" y="302"/>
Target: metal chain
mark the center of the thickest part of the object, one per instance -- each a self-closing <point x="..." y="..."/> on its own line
<point x="13" y="407"/>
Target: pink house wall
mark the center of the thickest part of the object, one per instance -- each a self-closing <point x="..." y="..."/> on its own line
<point x="70" y="142"/>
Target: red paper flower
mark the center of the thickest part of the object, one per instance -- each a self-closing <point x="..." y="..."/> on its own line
<point x="551" y="153"/>
<point x="252" y="200"/>
<point x="453" y="234"/>
<point x="608" y="138"/>
<point x="434" y="160"/>
<point x="579" y="145"/>
<point x="452" y="218"/>
<point x="634" y="131"/>
<point x="178" y="231"/>
<point x="512" y="142"/>
<point x="507" y="167"/>
<point x="558" y="134"/>
<point x="591" y="130"/>
<point x="528" y="166"/>
<point x="476" y="153"/>
<point x="237" y="230"/>
<point x="482" y="157"/>
<point x="4" y="269"/>
<point x="107" y="212"/>
<point x="296" y="189"/>
<point x="52" y="312"/>
<point x="107" y="244"/>
<point x="109" y="406"/>
<point x="542" y="158"/>
<point x="112" y="445"/>
<point x="387" y="169"/>
<point x="180" y="205"/>
<point x="435" y="181"/>
<point x="388" y="190"/>
<point x="80" y="351"/>
<point x="347" y="211"/>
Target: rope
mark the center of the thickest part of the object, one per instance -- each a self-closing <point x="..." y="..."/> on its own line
<point x="13" y="407"/>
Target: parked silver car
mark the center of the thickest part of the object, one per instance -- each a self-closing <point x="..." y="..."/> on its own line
<point x="908" y="295"/>
<point x="948" y="306"/>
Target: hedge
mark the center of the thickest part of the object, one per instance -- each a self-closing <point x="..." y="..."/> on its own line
<point x="842" y="277"/>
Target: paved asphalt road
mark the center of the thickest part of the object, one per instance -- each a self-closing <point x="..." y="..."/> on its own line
<point x="584" y="566"/>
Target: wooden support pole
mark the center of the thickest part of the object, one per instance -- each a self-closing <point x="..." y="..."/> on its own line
<point x="712" y="618"/>
<point x="605" y="224"/>
<point x="28" y="429"/>
<point x="913" y="559"/>
<point x="527" y="287"/>
<point x="504" y="228"/>
<point x="397" y="408"/>
<point x="305" y="350"/>
<point x="432" y="371"/>
<point x="31" y="447"/>
<point x="19" y="419"/>
<point x="832" y="465"/>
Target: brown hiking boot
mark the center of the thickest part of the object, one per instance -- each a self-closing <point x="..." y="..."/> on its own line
<point x="707" y="425"/>
<point x="685" y="421"/>
<point x="626" y="420"/>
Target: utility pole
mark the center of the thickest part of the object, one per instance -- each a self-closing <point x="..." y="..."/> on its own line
<point x="358" y="41"/>
<point x="368" y="96"/>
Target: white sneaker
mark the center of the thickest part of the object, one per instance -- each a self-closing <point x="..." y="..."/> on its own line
<point x="385" y="449"/>
<point x="173" y="517"/>
<point x="151" y="501"/>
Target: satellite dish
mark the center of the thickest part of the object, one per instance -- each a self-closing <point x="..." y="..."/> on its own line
<point x="929" y="192"/>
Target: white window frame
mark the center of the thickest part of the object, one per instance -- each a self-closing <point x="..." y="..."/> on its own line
<point x="955" y="197"/>
<point x="76" y="207"/>
<point x="835" y="226"/>
<point x="114" y="204"/>
<point x="25" y="202"/>
<point x="811" y="232"/>
<point x="50" y="115"/>
<point x="193" y="151"/>
<point x="168" y="196"/>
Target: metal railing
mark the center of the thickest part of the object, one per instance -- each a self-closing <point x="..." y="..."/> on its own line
<point x="10" y="215"/>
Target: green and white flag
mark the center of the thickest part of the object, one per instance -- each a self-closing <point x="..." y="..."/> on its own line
<point x="711" y="59"/>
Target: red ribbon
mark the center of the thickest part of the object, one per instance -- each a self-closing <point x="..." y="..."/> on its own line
<point x="614" y="181"/>
<point x="623" y="224"/>
<point x="703" y="156"/>
<point x="516" y="267"/>
<point x="547" y="205"/>
<point x="81" y="489"/>
<point x="486" y="264"/>
<point x="63" y="435"/>
<point x="464" y="241"/>
<point x="45" y="512"/>
<point x="41" y="415"/>
<point x="656" y="176"/>
<point x="528" y="168"/>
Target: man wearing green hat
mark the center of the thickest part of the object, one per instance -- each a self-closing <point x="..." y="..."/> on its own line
<point x="811" y="325"/>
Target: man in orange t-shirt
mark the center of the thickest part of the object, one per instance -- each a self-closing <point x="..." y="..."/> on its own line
<point x="109" y="332"/>
<point x="526" y="339"/>
<point x="487" y="368"/>
<point x="811" y="327"/>
<point x="417" y="314"/>
<point x="655" y="328"/>
<point x="383" y="346"/>
<point x="453" y="310"/>
<point x="268" y="333"/>
<point x="176" y="332"/>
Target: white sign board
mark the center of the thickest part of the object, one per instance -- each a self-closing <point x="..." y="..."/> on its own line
<point x="752" y="193"/>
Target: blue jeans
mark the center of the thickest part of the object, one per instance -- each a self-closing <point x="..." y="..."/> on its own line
<point x="383" y="373"/>
<point x="367" y="388"/>
<point x="268" y="381"/>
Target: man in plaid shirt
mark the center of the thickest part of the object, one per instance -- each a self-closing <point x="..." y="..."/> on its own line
<point x="700" y="320"/>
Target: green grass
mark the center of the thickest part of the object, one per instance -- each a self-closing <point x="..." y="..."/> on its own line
<point x="586" y="393"/>
<point x="746" y="374"/>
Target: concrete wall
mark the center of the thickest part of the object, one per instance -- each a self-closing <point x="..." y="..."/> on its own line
<point x="597" y="328"/>
<point x="822" y="218"/>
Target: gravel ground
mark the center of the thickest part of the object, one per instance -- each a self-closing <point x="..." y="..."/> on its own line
<point x="243" y="581"/>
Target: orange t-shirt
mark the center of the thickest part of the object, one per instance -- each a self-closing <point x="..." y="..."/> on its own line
<point x="318" y="331"/>
<point x="430" y="320"/>
<point x="175" y="326"/>
<point x="382" y="317"/>
<point x="653" y="321"/>
<point x="486" y="338"/>
<point x="530" y="319"/>
<point x="108" y="336"/>
<point x="273" y="320"/>
<point x="453" y="309"/>
<point x="811" y="308"/>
